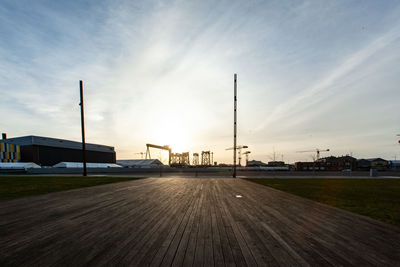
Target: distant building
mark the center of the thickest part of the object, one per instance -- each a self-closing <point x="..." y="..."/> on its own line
<point x="309" y="166"/>
<point x="140" y="163"/>
<point x="339" y="163"/>
<point x="46" y="151"/>
<point x="328" y="164"/>
<point x="363" y="165"/>
<point x="256" y="163"/>
<point x="69" y="165"/>
<point x="395" y="164"/>
<point x="276" y="163"/>
<point x="9" y="152"/>
<point x="379" y="164"/>
<point x="18" y="166"/>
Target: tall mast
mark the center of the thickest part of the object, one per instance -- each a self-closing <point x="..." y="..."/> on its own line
<point x="234" y="124"/>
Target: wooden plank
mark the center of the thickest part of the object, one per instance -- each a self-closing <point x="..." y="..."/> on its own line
<point x="225" y="245"/>
<point x="217" y="243"/>
<point x="247" y="253"/>
<point x="174" y="244"/>
<point x="159" y="257"/>
<point x="283" y="244"/>
<point x="191" y="246"/>
<point x="208" y="258"/>
<point x="161" y="219"/>
<point x="330" y="247"/>
<point x="227" y="221"/>
<point x="200" y="240"/>
<point x="184" y="242"/>
<point x="185" y="222"/>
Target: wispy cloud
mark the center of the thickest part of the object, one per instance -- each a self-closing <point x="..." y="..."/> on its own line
<point x="326" y="87"/>
<point x="156" y="72"/>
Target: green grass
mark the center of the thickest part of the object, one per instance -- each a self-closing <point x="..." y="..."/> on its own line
<point x="376" y="198"/>
<point x="22" y="186"/>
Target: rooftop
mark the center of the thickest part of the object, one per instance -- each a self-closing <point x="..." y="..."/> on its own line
<point x="55" y="142"/>
<point x="139" y="162"/>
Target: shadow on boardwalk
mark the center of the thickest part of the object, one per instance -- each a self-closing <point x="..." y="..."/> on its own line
<point x="188" y="222"/>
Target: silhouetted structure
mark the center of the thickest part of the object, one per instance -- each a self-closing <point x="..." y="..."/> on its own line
<point x="395" y="164"/>
<point x="148" y="156"/>
<point x="195" y="160"/>
<point x="373" y="163"/>
<point x="180" y="159"/>
<point x="239" y="149"/>
<point x="317" y="150"/>
<point x="206" y="158"/>
<point x="83" y="129"/>
<point x="339" y="163"/>
<point x="256" y="163"/>
<point x="247" y="156"/>
<point x="234" y="123"/>
<point x="48" y="151"/>
<point x="140" y="163"/>
<point x="309" y="166"/>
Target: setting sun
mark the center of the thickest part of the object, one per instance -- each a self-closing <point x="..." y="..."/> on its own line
<point x="172" y="133"/>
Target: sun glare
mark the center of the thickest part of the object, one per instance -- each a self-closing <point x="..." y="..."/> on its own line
<point x="173" y="134"/>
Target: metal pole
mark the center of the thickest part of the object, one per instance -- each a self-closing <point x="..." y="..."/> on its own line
<point x="234" y="125"/>
<point x="83" y="130"/>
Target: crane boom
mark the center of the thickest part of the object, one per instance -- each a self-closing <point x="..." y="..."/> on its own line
<point x="314" y="150"/>
<point x="237" y="147"/>
<point x="159" y="147"/>
<point x="247" y="157"/>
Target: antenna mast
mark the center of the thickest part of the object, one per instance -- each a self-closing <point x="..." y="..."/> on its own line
<point x="83" y="129"/>
<point x="234" y="124"/>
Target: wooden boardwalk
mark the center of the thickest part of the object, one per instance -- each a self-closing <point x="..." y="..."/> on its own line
<point x="185" y="222"/>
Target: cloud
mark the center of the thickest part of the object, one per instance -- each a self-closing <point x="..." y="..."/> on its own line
<point x="150" y="68"/>
<point x="324" y="88"/>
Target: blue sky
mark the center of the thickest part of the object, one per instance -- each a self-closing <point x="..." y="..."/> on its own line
<point x="311" y="74"/>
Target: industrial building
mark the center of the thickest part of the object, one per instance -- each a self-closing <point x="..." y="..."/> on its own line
<point x="71" y="165"/>
<point x="9" y="152"/>
<point x="373" y="163"/>
<point x="256" y="163"/>
<point x="18" y="165"/>
<point x="395" y="164"/>
<point x="344" y="163"/>
<point x="330" y="163"/>
<point x="46" y="151"/>
<point x="140" y="163"/>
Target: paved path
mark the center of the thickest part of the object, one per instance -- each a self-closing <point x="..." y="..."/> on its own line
<point x="184" y="222"/>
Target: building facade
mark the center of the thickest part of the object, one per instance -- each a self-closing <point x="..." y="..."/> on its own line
<point x="9" y="152"/>
<point x="46" y="151"/>
<point x="328" y="164"/>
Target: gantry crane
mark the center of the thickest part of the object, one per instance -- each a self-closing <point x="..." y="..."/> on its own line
<point x="315" y="150"/>
<point x="247" y="156"/>
<point x="195" y="159"/>
<point x="180" y="159"/>
<point x="239" y="148"/>
<point x="206" y="158"/>
<point x="159" y="147"/>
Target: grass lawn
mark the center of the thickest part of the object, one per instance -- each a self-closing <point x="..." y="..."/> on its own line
<point x="21" y="186"/>
<point x="376" y="198"/>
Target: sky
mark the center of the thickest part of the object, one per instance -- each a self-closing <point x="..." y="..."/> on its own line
<point x="311" y="74"/>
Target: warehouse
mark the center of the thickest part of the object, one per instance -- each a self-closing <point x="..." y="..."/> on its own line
<point x="9" y="152"/>
<point x="46" y="151"/>
<point x="140" y="163"/>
